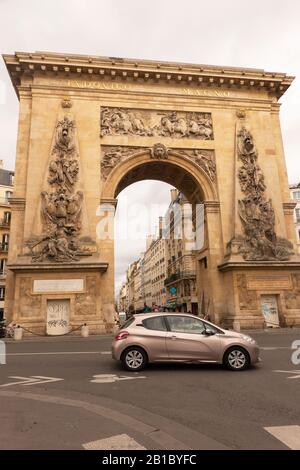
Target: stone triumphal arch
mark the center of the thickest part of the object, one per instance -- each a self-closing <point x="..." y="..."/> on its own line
<point x="90" y="126"/>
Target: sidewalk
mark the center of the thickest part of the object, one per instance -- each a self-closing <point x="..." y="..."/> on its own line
<point x="53" y="339"/>
<point x="271" y="331"/>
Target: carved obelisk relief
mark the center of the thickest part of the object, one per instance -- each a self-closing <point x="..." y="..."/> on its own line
<point x="258" y="240"/>
<point x="61" y="204"/>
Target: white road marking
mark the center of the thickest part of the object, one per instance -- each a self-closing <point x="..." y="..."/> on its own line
<point x="118" y="442"/>
<point x="111" y="378"/>
<point x="296" y="372"/>
<point x="273" y="348"/>
<point x="289" y="435"/>
<point x="32" y="380"/>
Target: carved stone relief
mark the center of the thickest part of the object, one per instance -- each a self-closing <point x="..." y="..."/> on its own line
<point x="247" y="298"/>
<point x="85" y="304"/>
<point x="30" y="305"/>
<point x="292" y="297"/>
<point x="123" y="121"/>
<point x="259" y="240"/>
<point x="205" y="159"/>
<point x="61" y="207"/>
<point x="159" y="152"/>
<point x="113" y="155"/>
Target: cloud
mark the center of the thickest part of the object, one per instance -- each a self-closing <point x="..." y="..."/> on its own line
<point x="260" y="34"/>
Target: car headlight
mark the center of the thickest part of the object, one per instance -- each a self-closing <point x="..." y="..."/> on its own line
<point x="249" y="339"/>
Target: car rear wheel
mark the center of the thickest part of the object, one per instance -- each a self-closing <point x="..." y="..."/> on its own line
<point x="134" y="359"/>
<point x="236" y="358"/>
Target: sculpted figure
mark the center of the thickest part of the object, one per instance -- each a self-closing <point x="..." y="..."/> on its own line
<point x="193" y="127"/>
<point x="206" y="162"/>
<point x="159" y="151"/>
<point x="167" y="126"/>
<point x="64" y="138"/>
<point x="60" y="209"/>
<point x="181" y="127"/>
<point x="48" y="208"/>
<point x="121" y="122"/>
<point x="74" y="209"/>
<point x="61" y="206"/>
<point x="256" y="213"/>
<point x="137" y="124"/>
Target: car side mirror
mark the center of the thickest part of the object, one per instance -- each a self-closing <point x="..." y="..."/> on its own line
<point x="208" y="332"/>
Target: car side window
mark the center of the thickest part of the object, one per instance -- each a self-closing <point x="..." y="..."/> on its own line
<point x="182" y="324"/>
<point x="155" y="323"/>
<point x="127" y="323"/>
<point x="212" y="328"/>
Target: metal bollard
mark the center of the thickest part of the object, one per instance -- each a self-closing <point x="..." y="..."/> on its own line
<point x="85" y="331"/>
<point x="2" y="352"/>
<point x="18" y="333"/>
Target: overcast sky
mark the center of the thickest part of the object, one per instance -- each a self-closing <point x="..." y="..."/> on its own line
<point x="259" y="33"/>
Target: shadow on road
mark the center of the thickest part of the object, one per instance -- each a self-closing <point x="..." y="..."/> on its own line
<point x="187" y="367"/>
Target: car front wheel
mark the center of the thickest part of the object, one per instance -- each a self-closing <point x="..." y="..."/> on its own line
<point x="134" y="359"/>
<point x="236" y="358"/>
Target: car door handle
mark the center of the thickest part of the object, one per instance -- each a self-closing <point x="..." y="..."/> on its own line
<point x="173" y="337"/>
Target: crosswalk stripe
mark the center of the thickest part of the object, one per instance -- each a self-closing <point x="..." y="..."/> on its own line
<point x="118" y="442"/>
<point x="289" y="435"/>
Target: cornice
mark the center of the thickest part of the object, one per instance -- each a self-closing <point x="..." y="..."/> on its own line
<point x="144" y="70"/>
<point x="289" y="206"/>
<point x="212" y="206"/>
<point x="230" y="266"/>
<point x="109" y="201"/>
<point x="17" y="203"/>
<point x="49" y="267"/>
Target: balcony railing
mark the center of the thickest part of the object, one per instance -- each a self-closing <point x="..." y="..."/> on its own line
<point x="4" y="223"/>
<point x="179" y="276"/>
<point x="3" y="247"/>
<point x="5" y="201"/>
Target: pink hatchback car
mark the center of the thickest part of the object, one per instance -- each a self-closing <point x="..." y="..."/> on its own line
<point x="176" y="337"/>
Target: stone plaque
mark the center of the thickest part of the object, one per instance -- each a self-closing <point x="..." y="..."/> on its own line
<point x="268" y="282"/>
<point x="57" y="285"/>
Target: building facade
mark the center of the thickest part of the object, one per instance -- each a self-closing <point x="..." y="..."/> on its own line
<point x="138" y="287"/>
<point x="123" y="298"/>
<point x="180" y="281"/>
<point x="168" y="277"/>
<point x="6" y="192"/>
<point x="91" y="126"/>
<point x="295" y="195"/>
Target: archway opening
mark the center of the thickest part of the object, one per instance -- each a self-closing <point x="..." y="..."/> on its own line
<point x="163" y="171"/>
<point x="153" y="260"/>
<point x="175" y="274"/>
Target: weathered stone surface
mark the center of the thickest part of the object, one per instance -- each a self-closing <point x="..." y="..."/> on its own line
<point x="84" y="136"/>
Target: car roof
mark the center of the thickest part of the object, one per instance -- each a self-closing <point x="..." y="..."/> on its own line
<point x="142" y="316"/>
<point x="160" y="314"/>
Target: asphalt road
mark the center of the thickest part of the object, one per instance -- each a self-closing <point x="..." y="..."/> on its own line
<point x="95" y="404"/>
